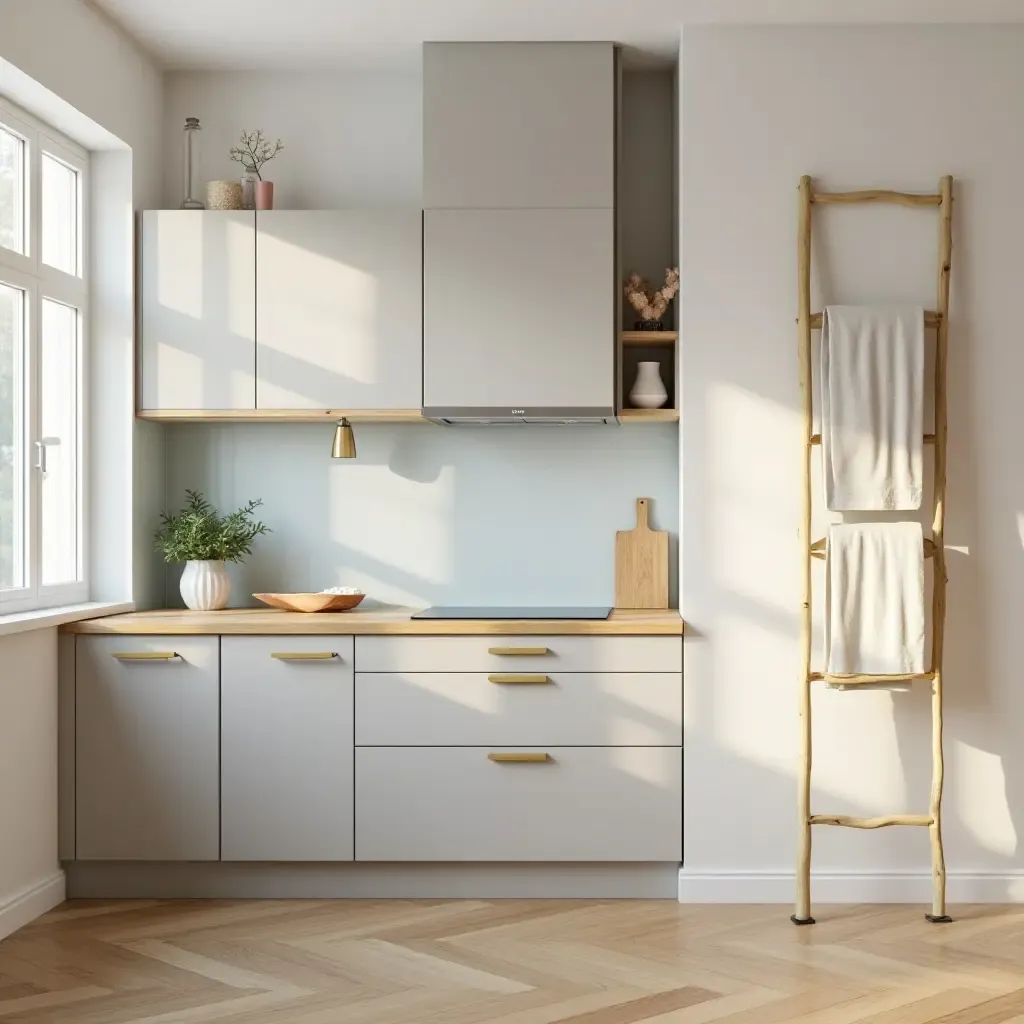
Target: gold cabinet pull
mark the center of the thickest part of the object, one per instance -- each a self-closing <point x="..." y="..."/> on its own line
<point x="523" y="651"/>
<point x="529" y="757"/>
<point x="503" y="677"/>
<point x="144" y="655"/>
<point x="303" y="655"/>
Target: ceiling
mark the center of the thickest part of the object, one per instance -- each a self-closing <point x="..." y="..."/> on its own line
<point x="255" y="34"/>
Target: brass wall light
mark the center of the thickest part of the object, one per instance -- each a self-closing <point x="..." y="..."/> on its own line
<point x="344" y="446"/>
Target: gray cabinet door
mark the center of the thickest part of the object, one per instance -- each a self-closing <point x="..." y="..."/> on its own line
<point x="339" y="309"/>
<point x="286" y="748"/>
<point x="519" y="125"/>
<point x="146" y="751"/>
<point x="518" y="308"/>
<point x="197" y="309"/>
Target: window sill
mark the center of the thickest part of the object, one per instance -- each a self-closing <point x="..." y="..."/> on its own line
<point x="47" y="618"/>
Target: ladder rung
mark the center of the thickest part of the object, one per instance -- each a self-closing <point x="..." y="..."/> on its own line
<point x="931" y="319"/>
<point x="817" y="549"/>
<point x="879" y="195"/>
<point x="848" y="821"/>
<point x="855" y="680"/>
<point x="816" y="439"/>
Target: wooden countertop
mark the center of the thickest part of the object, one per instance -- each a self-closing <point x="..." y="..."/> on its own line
<point x="393" y="621"/>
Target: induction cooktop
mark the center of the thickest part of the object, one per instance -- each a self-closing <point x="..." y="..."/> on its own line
<point x="451" y="612"/>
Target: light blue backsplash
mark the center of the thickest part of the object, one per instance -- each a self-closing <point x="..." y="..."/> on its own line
<point x="433" y="515"/>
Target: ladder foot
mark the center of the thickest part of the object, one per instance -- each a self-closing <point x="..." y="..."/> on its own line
<point x="938" y="919"/>
<point x="801" y="920"/>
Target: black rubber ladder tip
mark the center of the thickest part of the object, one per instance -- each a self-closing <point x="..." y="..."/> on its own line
<point x="801" y="920"/>
<point x="938" y="918"/>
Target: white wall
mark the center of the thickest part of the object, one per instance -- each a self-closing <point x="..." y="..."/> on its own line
<point x="425" y="514"/>
<point x="30" y="876"/>
<point x="350" y="139"/>
<point x="69" y="65"/>
<point x="854" y="107"/>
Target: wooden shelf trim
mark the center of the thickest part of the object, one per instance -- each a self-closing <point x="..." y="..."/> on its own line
<point x="648" y="415"/>
<point x="649" y="337"/>
<point x="281" y="415"/>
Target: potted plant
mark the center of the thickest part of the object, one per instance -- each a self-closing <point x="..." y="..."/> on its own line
<point x="204" y="540"/>
<point x="252" y="153"/>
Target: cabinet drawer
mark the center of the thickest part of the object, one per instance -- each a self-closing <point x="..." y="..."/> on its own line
<point x="286" y="748"/>
<point x="568" y="708"/>
<point x="146" y="751"/>
<point x="457" y="804"/>
<point x="519" y="654"/>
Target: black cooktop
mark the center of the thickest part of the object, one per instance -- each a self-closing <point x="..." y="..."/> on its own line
<point x="442" y="612"/>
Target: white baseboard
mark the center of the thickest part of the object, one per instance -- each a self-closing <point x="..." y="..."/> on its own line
<point x="19" y="908"/>
<point x="849" y="887"/>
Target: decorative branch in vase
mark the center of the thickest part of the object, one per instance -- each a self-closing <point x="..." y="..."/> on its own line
<point x="252" y="153"/>
<point x="650" y="303"/>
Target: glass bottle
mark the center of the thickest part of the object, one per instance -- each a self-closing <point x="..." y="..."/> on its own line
<point x="192" y="129"/>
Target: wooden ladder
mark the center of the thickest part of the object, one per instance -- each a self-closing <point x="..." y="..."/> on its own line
<point x="807" y="322"/>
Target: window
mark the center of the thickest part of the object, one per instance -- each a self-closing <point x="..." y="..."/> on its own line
<point x="43" y="289"/>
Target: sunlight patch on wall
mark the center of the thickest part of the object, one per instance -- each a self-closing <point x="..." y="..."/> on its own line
<point x="981" y="798"/>
<point x="404" y="526"/>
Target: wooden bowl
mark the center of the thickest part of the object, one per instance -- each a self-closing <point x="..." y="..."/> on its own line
<point x="311" y="602"/>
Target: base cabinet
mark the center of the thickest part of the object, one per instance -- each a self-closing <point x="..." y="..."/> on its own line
<point x="146" y="748"/>
<point x="286" y="748"/>
<point x="613" y="804"/>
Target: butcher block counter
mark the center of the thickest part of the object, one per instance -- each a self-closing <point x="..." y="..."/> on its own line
<point x="393" y="621"/>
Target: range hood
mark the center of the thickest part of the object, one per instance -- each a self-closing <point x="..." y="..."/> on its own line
<point x="504" y="417"/>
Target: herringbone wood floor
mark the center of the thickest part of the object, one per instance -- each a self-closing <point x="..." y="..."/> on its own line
<point x="512" y="962"/>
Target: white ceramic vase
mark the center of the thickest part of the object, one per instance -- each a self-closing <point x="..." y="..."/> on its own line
<point x="205" y="586"/>
<point x="649" y="390"/>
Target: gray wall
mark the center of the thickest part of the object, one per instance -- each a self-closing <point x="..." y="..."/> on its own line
<point x="428" y="514"/>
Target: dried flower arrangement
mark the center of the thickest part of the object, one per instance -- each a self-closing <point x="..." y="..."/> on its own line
<point x="255" y="151"/>
<point x="651" y="305"/>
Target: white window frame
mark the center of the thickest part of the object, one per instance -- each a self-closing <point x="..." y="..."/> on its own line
<point x="38" y="281"/>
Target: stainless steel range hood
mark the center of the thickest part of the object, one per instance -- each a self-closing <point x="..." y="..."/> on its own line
<point x="503" y="417"/>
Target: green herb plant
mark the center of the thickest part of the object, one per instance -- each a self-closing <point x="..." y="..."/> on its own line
<point x="198" y="533"/>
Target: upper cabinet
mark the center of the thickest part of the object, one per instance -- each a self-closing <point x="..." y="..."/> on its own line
<point x="246" y="312"/>
<point x="198" y="310"/>
<point x="519" y="125"/>
<point x="339" y="309"/>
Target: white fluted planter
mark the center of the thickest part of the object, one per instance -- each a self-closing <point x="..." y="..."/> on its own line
<point x="205" y="586"/>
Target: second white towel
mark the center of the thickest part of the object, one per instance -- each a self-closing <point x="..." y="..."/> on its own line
<point x="872" y="406"/>
<point x="874" y="599"/>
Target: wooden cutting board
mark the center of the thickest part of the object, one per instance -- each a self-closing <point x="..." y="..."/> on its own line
<point x="641" y="563"/>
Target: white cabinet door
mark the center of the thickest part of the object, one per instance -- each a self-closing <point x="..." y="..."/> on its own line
<point x="519" y="309"/>
<point x="339" y="309"/>
<point x="519" y="125"/>
<point x="581" y="804"/>
<point x="286" y="748"/>
<point x="146" y="747"/>
<point x="198" y="309"/>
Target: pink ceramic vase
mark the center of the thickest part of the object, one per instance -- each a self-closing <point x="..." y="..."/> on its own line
<point x="264" y="195"/>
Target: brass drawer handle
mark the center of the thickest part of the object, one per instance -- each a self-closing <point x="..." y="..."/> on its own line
<point x="532" y="757"/>
<point x="501" y="677"/>
<point x="304" y="655"/>
<point x="524" y="651"/>
<point x="144" y="655"/>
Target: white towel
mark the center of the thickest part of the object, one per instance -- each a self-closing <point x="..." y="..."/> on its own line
<point x="872" y="406"/>
<point x="874" y="599"/>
